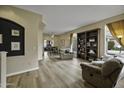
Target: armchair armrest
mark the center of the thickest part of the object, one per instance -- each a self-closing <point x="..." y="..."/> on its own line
<point x="90" y="67"/>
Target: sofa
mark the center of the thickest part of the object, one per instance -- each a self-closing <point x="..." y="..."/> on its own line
<point x="66" y="54"/>
<point x="102" y="75"/>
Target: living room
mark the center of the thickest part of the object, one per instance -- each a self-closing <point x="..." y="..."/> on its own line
<point x="53" y="49"/>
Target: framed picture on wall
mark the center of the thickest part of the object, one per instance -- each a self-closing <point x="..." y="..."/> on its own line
<point x="12" y="38"/>
<point x="15" y="46"/>
<point x="62" y="43"/>
<point x="15" y="32"/>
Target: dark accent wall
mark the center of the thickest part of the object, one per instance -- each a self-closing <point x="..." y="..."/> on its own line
<point x="6" y="27"/>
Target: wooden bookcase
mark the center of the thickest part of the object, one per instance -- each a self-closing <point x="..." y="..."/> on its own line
<point x="87" y="45"/>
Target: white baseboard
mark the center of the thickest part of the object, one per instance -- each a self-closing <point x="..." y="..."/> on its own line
<point x="20" y="72"/>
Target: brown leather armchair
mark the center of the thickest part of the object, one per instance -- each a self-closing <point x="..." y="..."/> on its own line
<point x="104" y="75"/>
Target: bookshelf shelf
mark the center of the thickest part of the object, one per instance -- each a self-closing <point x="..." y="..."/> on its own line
<point x="87" y="43"/>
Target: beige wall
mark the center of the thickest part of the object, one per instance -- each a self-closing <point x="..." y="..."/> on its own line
<point x="58" y="39"/>
<point x="31" y="22"/>
<point x="100" y="24"/>
<point x="47" y="37"/>
<point x="63" y="41"/>
<point x="40" y="41"/>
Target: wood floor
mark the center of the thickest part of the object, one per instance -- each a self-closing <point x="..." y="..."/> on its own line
<point x="52" y="73"/>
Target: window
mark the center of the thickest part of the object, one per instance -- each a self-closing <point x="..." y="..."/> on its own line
<point x="112" y="46"/>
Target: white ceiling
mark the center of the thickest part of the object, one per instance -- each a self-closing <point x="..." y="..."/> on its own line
<point x="62" y="18"/>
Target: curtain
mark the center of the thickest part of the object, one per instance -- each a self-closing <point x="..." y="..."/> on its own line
<point x="71" y="42"/>
<point x="117" y="31"/>
<point x="71" y="38"/>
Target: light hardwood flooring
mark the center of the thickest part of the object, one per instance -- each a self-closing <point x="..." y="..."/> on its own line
<point x="52" y="73"/>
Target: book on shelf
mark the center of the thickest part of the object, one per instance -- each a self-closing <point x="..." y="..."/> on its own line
<point x="88" y="44"/>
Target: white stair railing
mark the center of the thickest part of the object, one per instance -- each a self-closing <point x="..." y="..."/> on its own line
<point x="3" y="69"/>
